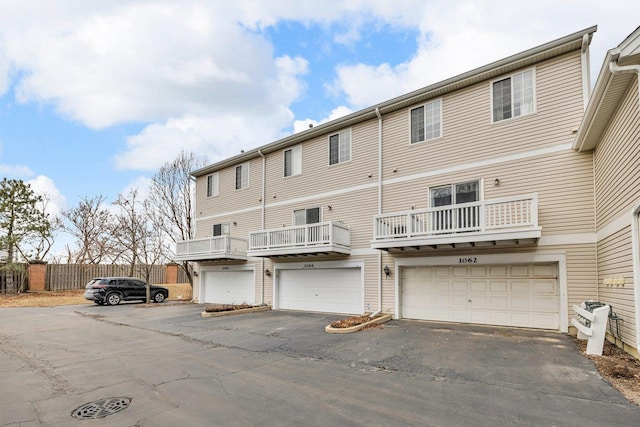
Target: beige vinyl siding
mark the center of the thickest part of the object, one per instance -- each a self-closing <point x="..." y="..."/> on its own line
<point x="245" y="222"/>
<point x="562" y="208"/>
<point x="617" y="161"/>
<point x="614" y="261"/>
<point x="229" y="199"/>
<point x="468" y="133"/>
<point x="317" y="175"/>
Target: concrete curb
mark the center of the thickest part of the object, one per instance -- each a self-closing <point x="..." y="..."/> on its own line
<point x="231" y="312"/>
<point x="380" y="319"/>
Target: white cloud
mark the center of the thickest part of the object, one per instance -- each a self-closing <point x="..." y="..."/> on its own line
<point x="336" y="113"/>
<point x="457" y="37"/>
<point x="202" y="76"/>
<point x="44" y="186"/>
<point x="19" y="171"/>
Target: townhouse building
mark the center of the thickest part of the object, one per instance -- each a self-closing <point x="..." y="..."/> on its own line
<point x="470" y="200"/>
<point x="610" y="131"/>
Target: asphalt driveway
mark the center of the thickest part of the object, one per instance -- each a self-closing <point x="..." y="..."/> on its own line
<point x="281" y="368"/>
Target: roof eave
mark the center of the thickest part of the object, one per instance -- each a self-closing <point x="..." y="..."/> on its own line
<point x="523" y="59"/>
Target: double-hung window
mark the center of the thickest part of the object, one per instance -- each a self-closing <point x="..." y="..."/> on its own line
<point x="220" y="229"/>
<point x="242" y="176"/>
<point x="426" y="121"/>
<point x="212" y="185"/>
<point x="340" y="147"/>
<point x="459" y="216"/>
<point x="293" y="161"/>
<point x="513" y="96"/>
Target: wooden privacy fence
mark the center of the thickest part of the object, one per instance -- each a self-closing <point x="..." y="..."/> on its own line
<point x="75" y="276"/>
<point x="20" y="280"/>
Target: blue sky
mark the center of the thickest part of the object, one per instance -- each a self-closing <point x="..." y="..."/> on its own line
<point x="96" y="95"/>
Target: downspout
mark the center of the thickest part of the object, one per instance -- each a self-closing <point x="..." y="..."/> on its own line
<point x="264" y="187"/>
<point x="379" y="211"/>
<point x="195" y="233"/>
<point x="586" y="74"/>
<point x="626" y="69"/>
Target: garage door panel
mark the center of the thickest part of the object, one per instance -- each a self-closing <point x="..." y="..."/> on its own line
<point x="544" y="304"/>
<point x="229" y="287"/>
<point x="479" y="302"/>
<point x="328" y="290"/>
<point x="545" y="287"/>
<point x="498" y="286"/>
<point x="542" y="270"/>
<point x="499" y="302"/>
<point x="519" y="271"/>
<point x="521" y="303"/>
<point x="509" y="295"/>
<point x="498" y="271"/>
<point x="520" y="287"/>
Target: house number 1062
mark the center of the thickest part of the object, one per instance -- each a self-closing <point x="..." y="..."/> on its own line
<point x="468" y="260"/>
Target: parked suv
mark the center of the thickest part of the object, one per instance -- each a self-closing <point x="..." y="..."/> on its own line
<point x="112" y="290"/>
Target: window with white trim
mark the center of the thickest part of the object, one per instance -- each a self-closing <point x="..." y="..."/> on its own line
<point x="340" y="147"/>
<point x="513" y="96"/>
<point x="242" y="176"/>
<point x="459" y="217"/>
<point x="426" y="121"/>
<point x="221" y="229"/>
<point x="212" y="185"/>
<point x="293" y="161"/>
<point x="306" y="216"/>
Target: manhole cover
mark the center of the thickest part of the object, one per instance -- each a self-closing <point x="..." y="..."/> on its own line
<point x="101" y="408"/>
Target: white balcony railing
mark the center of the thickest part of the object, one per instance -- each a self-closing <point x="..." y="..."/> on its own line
<point x="212" y="248"/>
<point x="486" y="216"/>
<point x="309" y="236"/>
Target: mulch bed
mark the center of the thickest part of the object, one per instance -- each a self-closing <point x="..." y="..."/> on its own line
<point x="354" y="321"/>
<point x="227" y="307"/>
<point x="618" y="367"/>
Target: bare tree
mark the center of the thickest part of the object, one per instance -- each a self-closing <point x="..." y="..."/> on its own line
<point x="90" y="224"/>
<point x="129" y="228"/>
<point x="172" y="194"/>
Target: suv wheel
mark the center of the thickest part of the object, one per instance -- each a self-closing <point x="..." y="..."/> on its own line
<point x="158" y="297"/>
<point x="113" y="299"/>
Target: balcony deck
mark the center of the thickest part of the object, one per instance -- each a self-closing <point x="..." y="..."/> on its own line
<point x="323" y="238"/>
<point x="218" y="248"/>
<point x="503" y="221"/>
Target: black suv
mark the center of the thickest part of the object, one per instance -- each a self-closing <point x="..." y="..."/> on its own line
<point x="112" y="290"/>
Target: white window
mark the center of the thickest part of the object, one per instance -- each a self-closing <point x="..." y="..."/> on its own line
<point x="426" y="121"/>
<point x="306" y="216"/>
<point x="340" y="147"/>
<point x="293" y="161"/>
<point x="242" y="176"/>
<point x="513" y="96"/>
<point x="212" y="185"/>
<point x="220" y="229"/>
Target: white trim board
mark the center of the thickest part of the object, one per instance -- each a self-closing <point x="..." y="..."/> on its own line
<point x="435" y="172"/>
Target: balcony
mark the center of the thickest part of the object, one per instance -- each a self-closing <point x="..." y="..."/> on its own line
<point x="218" y="248"/>
<point x="495" y="222"/>
<point x="322" y="238"/>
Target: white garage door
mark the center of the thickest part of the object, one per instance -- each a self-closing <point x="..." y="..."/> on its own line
<point x="229" y="287"/>
<point x="328" y="290"/>
<point x="509" y="295"/>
